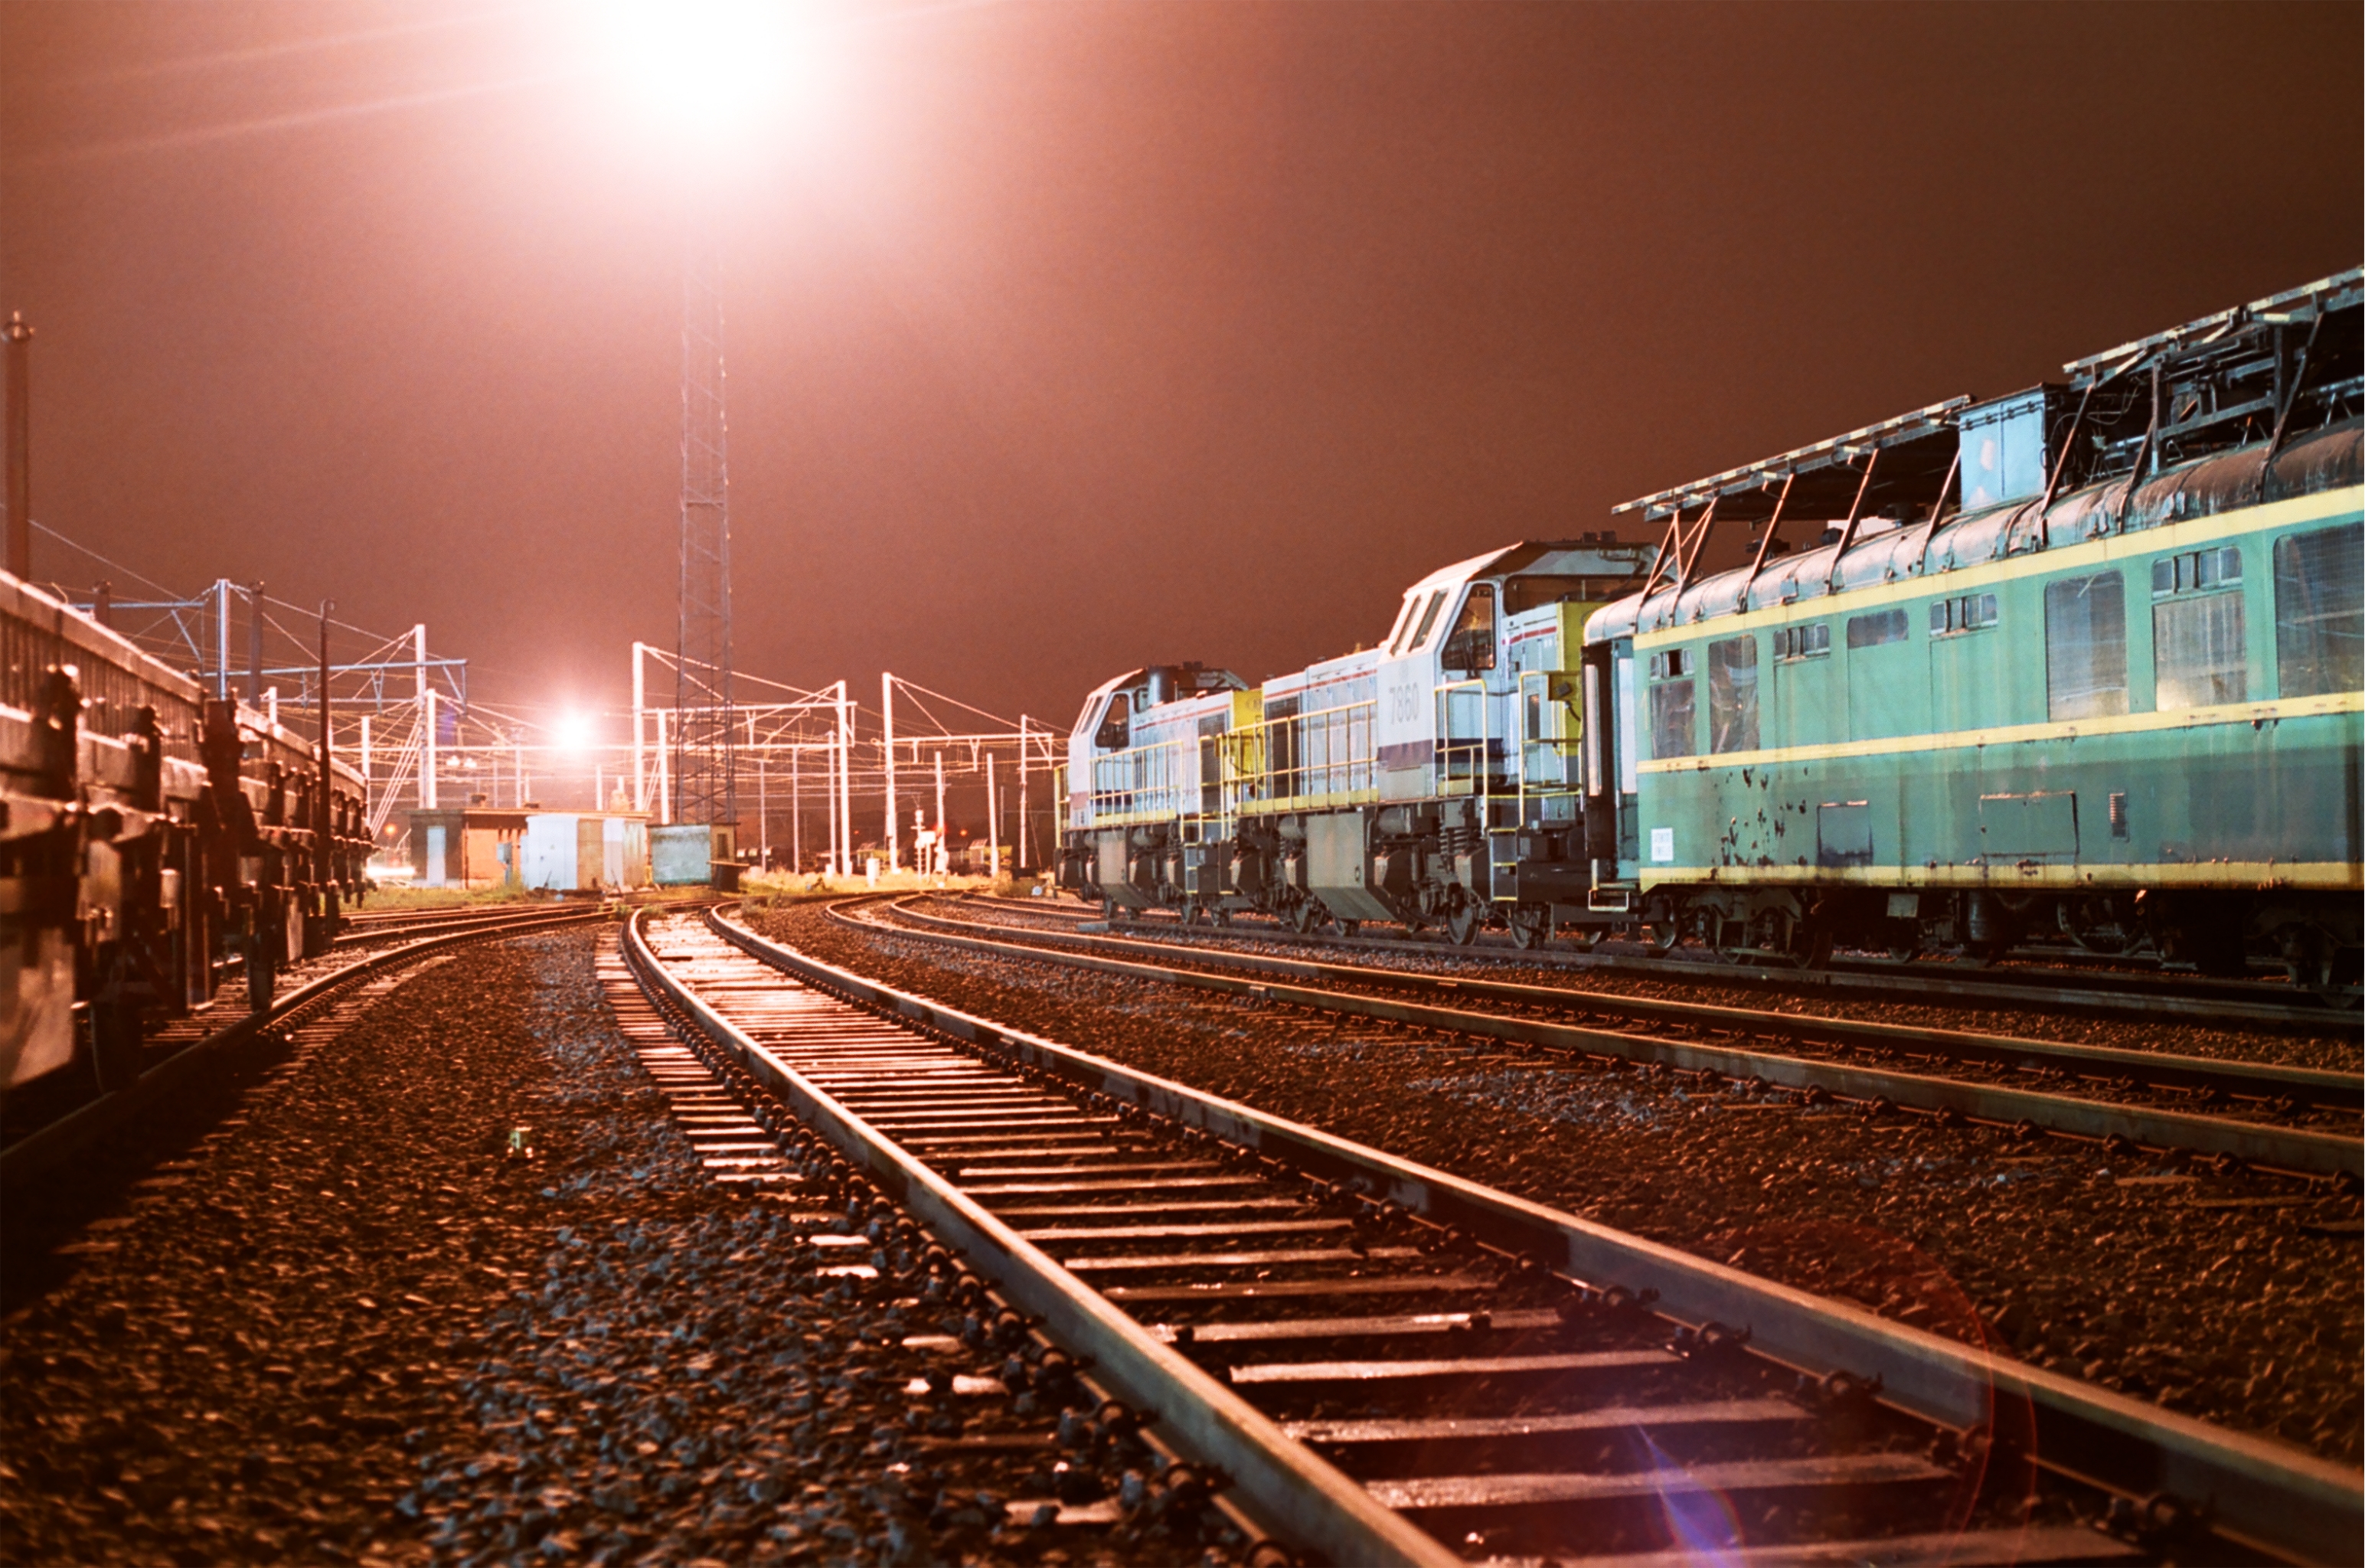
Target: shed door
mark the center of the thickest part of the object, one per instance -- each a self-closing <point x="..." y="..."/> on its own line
<point x="434" y="857"/>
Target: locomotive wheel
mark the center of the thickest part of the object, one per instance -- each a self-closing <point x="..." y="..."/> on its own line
<point x="1351" y="928"/>
<point x="1584" y="938"/>
<point x="1464" y="923"/>
<point x="1661" y="937"/>
<point x="1309" y="917"/>
<point x="1195" y="914"/>
<point x="1532" y="924"/>
<point x="1223" y="920"/>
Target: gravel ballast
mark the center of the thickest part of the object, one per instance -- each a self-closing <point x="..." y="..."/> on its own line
<point x="2337" y="1046"/>
<point x="453" y="1288"/>
<point x="2229" y="1297"/>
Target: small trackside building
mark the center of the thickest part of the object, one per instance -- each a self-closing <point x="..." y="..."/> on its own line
<point x="475" y="848"/>
<point x="570" y="852"/>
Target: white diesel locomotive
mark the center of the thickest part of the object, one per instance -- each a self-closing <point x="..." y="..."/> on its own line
<point x="1433" y="780"/>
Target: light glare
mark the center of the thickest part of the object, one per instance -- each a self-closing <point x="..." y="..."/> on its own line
<point x="709" y="68"/>
<point x="573" y="733"/>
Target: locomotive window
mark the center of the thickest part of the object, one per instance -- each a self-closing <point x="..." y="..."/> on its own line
<point x="2197" y="648"/>
<point x="1672" y="664"/>
<point x="2086" y="646"/>
<point x="2319" y="630"/>
<point x="1732" y="695"/>
<point x="1671" y="719"/>
<point x="1427" y="620"/>
<point x="2197" y="571"/>
<point x="1871" y="631"/>
<point x="1114" y="731"/>
<point x="1472" y="646"/>
<point x="1527" y="593"/>
<point x="1969" y="612"/>
<point x="1803" y="642"/>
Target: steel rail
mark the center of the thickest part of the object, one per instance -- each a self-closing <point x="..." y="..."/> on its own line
<point x="380" y="927"/>
<point x="2269" y="1497"/>
<point x="2281" y="1148"/>
<point x="54" y="1143"/>
<point x="2261" y="1081"/>
<point x="1305" y="1498"/>
<point x="1918" y="982"/>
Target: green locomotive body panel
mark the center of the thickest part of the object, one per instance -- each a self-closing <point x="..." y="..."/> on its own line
<point x="1913" y="734"/>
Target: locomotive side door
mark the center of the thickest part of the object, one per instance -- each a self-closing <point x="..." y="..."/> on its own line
<point x="1473" y="694"/>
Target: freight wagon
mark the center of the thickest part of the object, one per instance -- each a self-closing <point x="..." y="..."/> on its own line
<point x="147" y="833"/>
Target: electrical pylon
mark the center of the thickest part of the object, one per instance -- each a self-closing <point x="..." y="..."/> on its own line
<point x="703" y="744"/>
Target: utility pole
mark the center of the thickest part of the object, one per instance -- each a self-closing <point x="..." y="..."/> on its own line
<point x="845" y="780"/>
<point x="992" y="822"/>
<point x="221" y="639"/>
<point x="640" y="778"/>
<point x="944" y="850"/>
<point x="1021" y="849"/>
<point x="323" y="857"/>
<point x="20" y="446"/>
<point x="426" y="718"/>
<point x="887" y="750"/>
<point x="254" y="645"/>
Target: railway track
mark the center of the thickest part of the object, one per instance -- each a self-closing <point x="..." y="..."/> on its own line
<point x="1886" y="1068"/>
<point x="2084" y="988"/>
<point x="75" y="1116"/>
<point x="1391" y="1365"/>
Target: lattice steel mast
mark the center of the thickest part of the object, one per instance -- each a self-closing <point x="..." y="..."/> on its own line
<point x="703" y="750"/>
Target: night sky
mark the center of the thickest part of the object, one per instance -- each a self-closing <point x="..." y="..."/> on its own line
<point x="1067" y="337"/>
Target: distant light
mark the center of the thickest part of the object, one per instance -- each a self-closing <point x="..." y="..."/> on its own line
<point x="575" y="733"/>
<point x="711" y="68"/>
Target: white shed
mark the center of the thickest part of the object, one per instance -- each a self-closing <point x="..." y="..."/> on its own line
<point x="585" y="851"/>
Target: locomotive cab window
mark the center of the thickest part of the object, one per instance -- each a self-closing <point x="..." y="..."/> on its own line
<point x="1802" y="642"/>
<point x="1732" y="695"/>
<point x="1115" y="726"/>
<point x="1471" y="648"/>
<point x="2197" y="628"/>
<point x="2086" y="646"/>
<point x="2319" y="625"/>
<point x="1672" y="704"/>
<point x="1427" y="620"/>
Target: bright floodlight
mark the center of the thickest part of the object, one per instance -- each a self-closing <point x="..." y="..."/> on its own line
<point x="573" y="732"/>
<point x="709" y="67"/>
